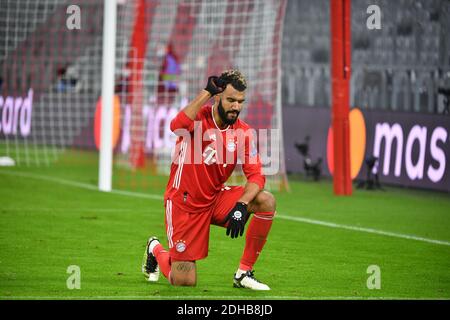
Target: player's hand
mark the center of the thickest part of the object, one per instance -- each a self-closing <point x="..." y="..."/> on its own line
<point x="237" y="218"/>
<point x="215" y="85"/>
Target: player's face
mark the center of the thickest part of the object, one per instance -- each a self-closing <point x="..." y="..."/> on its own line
<point x="230" y="104"/>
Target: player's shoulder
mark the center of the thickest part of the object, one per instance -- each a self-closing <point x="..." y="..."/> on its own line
<point x="204" y="112"/>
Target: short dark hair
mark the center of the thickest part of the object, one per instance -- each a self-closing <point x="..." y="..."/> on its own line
<point x="235" y="78"/>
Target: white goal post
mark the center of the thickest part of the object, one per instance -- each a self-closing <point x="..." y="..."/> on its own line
<point x="108" y="72"/>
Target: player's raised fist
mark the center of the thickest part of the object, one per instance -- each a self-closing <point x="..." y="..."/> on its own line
<point x="215" y="85"/>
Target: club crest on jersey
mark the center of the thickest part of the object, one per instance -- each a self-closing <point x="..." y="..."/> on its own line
<point x="231" y="145"/>
<point x="180" y="245"/>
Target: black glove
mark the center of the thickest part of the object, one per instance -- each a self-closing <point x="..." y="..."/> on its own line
<point x="215" y="85"/>
<point x="237" y="218"/>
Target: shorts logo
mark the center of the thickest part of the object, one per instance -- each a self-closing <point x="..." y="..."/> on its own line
<point x="180" y="245"/>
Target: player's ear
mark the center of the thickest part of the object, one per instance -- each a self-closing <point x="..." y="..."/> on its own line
<point x="217" y="97"/>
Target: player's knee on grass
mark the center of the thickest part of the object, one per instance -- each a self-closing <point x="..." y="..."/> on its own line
<point x="183" y="273"/>
<point x="263" y="202"/>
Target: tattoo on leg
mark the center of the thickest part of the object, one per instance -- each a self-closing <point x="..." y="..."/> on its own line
<point x="185" y="266"/>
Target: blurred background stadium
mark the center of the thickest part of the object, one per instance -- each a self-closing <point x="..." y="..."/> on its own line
<point x="51" y="55"/>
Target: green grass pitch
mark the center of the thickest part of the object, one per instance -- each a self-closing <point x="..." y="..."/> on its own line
<point x="320" y="246"/>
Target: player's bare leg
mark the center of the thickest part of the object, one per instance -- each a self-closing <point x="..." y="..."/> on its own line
<point x="263" y="208"/>
<point x="183" y="273"/>
<point x="263" y="202"/>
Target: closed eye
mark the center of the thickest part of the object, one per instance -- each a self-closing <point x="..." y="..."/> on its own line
<point x="233" y="100"/>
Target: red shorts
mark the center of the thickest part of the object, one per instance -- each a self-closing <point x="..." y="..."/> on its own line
<point x="188" y="233"/>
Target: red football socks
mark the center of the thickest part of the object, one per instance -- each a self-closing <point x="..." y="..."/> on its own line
<point x="163" y="258"/>
<point x="255" y="238"/>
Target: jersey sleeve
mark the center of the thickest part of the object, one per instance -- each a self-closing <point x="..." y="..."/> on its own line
<point x="252" y="166"/>
<point x="182" y="121"/>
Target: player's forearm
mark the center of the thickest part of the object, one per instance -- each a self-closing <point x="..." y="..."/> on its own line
<point x="250" y="191"/>
<point x="195" y="105"/>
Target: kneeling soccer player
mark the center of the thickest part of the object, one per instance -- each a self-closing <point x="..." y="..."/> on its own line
<point x="196" y="197"/>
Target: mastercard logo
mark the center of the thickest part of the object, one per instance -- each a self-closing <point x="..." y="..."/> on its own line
<point x="357" y="143"/>
<point x="98" y="122"/>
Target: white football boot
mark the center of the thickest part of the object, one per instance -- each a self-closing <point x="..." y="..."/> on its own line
<point x="150" y="267"/>
<point x="247" y="280"/>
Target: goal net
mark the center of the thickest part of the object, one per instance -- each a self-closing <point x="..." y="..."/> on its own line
<point x="50" y="73"/>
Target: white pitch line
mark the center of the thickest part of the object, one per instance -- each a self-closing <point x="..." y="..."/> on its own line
<point x="138" y="195"/>
<point x="367" y="230"/>
<point x="285" y="217"/>
<point x="81" y="185"/>
<point x="82" y="210"/>
<point x="231" y="297"/>
<point x="51" y="179"/>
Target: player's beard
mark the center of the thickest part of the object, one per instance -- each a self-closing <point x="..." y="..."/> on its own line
<point x="224" y="114"/>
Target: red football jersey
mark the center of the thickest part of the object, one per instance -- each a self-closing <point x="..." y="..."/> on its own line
<point x="205" y="157"/>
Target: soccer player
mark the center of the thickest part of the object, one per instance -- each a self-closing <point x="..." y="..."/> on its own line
<point x="196" y="197"/>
